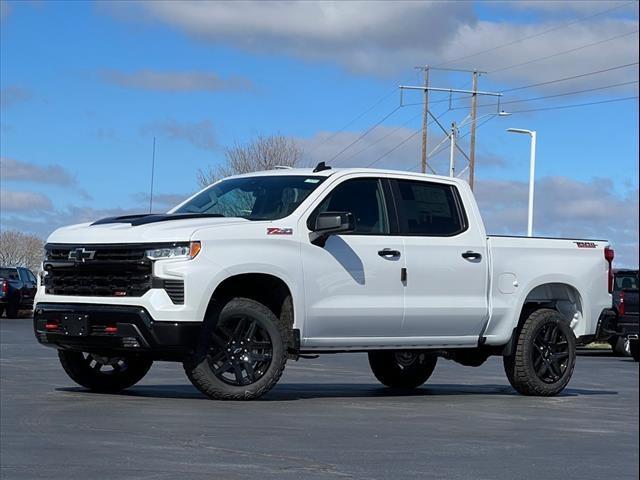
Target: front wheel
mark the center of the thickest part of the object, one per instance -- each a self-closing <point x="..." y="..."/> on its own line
<point x="402" y="369"/>
<point x="544" y="357"/>
<point x="103" y="374"/>
<point x="245" y="355"/>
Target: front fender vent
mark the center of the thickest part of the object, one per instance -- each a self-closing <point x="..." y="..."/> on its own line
<point x="175" y="290"/>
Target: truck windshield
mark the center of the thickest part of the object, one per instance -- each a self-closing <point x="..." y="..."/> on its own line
<point x="626" y="281"/>
<point x="254" y="198"/>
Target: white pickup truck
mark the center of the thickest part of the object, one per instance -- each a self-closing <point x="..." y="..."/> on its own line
<point x="261" y="268"/>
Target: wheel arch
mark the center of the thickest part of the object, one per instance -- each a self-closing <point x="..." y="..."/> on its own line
<point x="266" y="288"/>
<point x="559" y="295"/>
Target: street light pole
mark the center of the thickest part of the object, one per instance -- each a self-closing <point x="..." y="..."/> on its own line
<point x="532" y="174"/>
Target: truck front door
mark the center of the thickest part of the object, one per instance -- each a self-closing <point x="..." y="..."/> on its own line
<point x="353" y="287"/>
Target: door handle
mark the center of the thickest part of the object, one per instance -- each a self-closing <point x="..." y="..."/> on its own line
<point x="388" y="253"/>
<point x="469" y="255"/>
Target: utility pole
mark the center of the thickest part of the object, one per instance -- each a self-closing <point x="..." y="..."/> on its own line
<point x="425" y="115"/>
<point x="474" y="93"/>
<point x="472" y="140"/>
<point x="452" y="151"/>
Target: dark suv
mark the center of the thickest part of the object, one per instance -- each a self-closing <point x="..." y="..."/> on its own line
<point x="625" y="304"/>
<point x="17" y="288"/>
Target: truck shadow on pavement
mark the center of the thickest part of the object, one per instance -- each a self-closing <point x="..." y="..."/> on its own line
<point x="309" y="391"/>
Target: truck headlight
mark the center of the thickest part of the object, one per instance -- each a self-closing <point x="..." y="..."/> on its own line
<point x="188" y="251"/>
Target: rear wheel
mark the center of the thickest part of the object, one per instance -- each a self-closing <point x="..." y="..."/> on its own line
<point x="402" y="369"/>
<point x="245" y="355"/>
<point x="103" y="374"/>
<point x="544" y="357"/>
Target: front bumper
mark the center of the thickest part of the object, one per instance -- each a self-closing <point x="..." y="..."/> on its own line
<point x="113" y="330"/>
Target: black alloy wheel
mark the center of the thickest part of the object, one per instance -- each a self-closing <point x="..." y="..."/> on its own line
<point x="241" y="351"/>
<point x="244" y="355"/>
<point x="550" y="353"/>
<point x="544" y="354"/>
<point x="103" y="373"/>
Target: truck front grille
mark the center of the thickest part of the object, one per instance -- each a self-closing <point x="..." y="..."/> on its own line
<point x="97" y="271"/>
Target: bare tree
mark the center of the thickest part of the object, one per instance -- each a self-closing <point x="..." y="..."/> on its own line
<point x="21" y="250"/>
<point x="263" y="153"/>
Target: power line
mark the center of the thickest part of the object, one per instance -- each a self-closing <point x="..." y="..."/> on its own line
<point x="369" y="130"/>
<point x="404" y="141"/>
<point x="577" y="105"/>
<point x="570" y="78"/>
<point x="576" y="92"/>
<point x="396" y="147"/>
<point x="538" y="85"/>
<point x="563" y="53"/>
<point x="354" y="120"/>
<point x="382" y="138"/>
<point x="497" y="47"/>
<point x="460" y="137"/>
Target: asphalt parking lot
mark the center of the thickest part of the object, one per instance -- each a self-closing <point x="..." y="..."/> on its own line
<point x="327" y="418"/>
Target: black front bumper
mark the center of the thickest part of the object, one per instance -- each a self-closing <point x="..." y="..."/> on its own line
<point x="113" y="330"/>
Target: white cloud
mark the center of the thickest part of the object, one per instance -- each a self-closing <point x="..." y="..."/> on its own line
<point x="175" y="81"/>
<point x="199" y="134"/>
<point x="16" y="170"/>
<point x="565" y="207"/>
<point x="25" y="202"/>
<point x="584" y="7"/>
<point x="386" y="38"/>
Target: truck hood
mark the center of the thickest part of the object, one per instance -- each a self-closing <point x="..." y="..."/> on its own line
<point x="135" y="229"/>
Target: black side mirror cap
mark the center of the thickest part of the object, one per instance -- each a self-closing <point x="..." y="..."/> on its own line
<point x="331" y="223"/>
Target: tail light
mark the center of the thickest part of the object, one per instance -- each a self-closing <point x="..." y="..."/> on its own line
<point x="621" y="304"/>
<point x="609" y="254"/>
<point x="5" y="287"/>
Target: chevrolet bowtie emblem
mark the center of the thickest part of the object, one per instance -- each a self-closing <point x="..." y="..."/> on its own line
<point x="80" y="254"/>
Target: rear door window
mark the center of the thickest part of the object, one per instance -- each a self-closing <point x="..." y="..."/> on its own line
<point x="429" y="209"/>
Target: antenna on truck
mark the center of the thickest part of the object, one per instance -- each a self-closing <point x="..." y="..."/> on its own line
<point x="153" y="166"/>
<point x="320" y="167"/>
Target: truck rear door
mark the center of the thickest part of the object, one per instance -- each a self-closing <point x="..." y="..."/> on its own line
<point x="445" y="293"/>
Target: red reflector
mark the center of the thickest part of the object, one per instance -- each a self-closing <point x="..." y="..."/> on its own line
<point x="609" y="254"/>
<point x="51" y="326"/>
<point x="111" y="329"/>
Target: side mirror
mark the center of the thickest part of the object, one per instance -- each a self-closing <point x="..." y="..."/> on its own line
<point x="331" y="223"/>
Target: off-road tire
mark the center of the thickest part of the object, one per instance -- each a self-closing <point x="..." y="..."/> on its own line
<point x="199" y="367"/>
<point x="390" y="371"/>
<point x="81" y="369"/>
<point x="519" y="366"/>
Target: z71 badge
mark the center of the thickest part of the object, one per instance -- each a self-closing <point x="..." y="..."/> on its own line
<point x="279" y="231"/>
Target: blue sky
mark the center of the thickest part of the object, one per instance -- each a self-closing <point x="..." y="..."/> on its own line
<point x="86" y="86"/>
